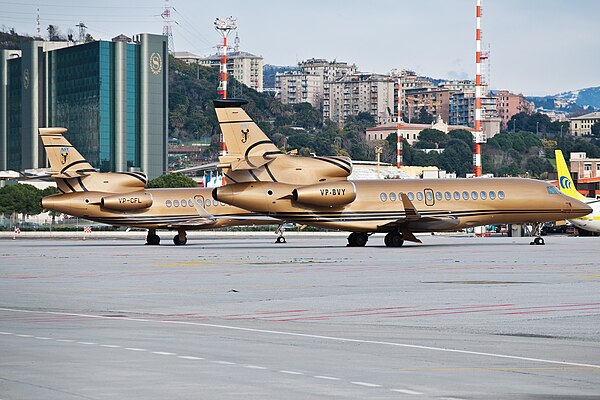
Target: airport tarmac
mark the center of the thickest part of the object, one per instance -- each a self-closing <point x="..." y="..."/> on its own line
<point x="232" y="317"/>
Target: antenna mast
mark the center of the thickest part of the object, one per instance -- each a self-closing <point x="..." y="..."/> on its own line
<point x="224" y="27"/>
<point x="82" y="29"/>
<point x="38" y="31"/>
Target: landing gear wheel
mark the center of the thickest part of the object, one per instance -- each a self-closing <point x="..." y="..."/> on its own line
<point x="279" y="231"/>
<point x="394" y="239"/>
<point x="538" y="241"/>
<point x="178" y="241"/>
<point x="152" y="239"/>
<point x="358" y="239"/>
<point x="280" y="239"/>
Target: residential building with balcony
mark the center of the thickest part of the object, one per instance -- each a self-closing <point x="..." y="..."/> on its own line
<point x="360" y="92"/>
<point x="509" y="104"/>
<point x="300" y="87"/>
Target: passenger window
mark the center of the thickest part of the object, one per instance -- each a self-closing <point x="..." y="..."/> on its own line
<point x="483" y="195"/>
<point x="429" y="196"/>
<point x="465" y="195"/>
<point x="456" y="196"/>
<point x="383" y="197"/>
<point x="207" y="203"/>
<point x="474" y="195"/>
<point x="492" y="195"/>
<point x="176" y="203"/>
<point x="183" y="203"/>
<point x="448" y="196"/>
<point x="419" y="196"/>
<point x="215" y="203"/>
<point x="392" y="196"/>
<point x="190" y="203"/>
<point x="410" y="196"/>
<point x="438" y="196"/>
<point x="223" y="204"/>
<point x="168" y="203"/>
<point x="501" y="195"/>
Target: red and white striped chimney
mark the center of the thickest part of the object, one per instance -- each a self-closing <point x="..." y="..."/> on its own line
<point x="398" y="134"/>
<point x="478" y="131"/>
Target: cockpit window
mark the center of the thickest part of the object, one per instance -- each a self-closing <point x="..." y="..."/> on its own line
<point x="552" y="190"/>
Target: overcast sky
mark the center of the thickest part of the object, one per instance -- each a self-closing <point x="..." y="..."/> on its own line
<point x="538" y="47"/>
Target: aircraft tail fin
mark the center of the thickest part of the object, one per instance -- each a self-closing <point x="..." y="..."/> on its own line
<point x="565" y="182"/>
<point x="65" y="161"/>
<point x="248" y="147"/>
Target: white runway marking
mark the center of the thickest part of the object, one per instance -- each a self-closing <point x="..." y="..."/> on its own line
<point x="163" y="353"/>
<point x="283" y="371"/>
<point x="365" y="384"/>
<point x="21" y="335"/>
<point x="224" y="362"/>
<point x="311" y="336"/>
<point x="254" y="367"/>
<point x="5" y="333"/>
<point x="88" y="343"/>
<point x="190" y="358"/>
<point x="41" y="338"/>
<point x="134" y="349"/>
<point x="65" y="340"/>
<point x="329" y="378"/>
<point x="110" y="346"/>
<point x="406" y="391"/>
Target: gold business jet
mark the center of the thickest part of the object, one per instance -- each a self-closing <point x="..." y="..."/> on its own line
<point x="121" y="198"/>
<point x="264" y="180"/>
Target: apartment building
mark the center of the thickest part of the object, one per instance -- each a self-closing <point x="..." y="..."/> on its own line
<point x="300" y="87"/>
<point x="509" y="104"/>
<point x="244" y="67"/>
<point x="462" y="112"/>
<point x="410" y="132"/>
<point x="306" y="85"/>
<point x="434" y="100"/>
<point x="582" y="125"/>
<point x="359" y="92"/>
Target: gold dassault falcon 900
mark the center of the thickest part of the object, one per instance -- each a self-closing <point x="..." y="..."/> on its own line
<point x="264" y="180"/>
<point x="121" y="198"/>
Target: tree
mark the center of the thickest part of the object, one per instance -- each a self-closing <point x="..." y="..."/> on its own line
<point x="457" y="157"/>
<point x="174" y="180"/>
<point x="89" y="38"/>
<point x="54" y="34"/>
<point x="596" y="129"/>
<point x="432" y="139"/>
<point x="20" y="199"/>
<point x="424" y="117"/>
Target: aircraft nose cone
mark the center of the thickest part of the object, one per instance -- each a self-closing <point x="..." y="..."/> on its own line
<point x="578" y="208"/>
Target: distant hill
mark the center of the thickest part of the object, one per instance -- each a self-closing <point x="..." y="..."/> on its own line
<point x="269" y="72"/>
<point x="575" y="101"/>
<point x="11" y="40"/>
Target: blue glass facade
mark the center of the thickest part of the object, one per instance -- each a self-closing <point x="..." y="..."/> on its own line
<point x="99" y="91"/>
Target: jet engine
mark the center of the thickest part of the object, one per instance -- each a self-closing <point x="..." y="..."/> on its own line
<point x="127" y="201"/>
<point x="325" y="194"/>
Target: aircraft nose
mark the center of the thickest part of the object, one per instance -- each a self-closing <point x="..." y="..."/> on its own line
<point x="577" y="208"/>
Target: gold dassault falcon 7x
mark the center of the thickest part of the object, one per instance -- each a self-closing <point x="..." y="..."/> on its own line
<point x="121" y="198"/>
<point x="264" y="180"/>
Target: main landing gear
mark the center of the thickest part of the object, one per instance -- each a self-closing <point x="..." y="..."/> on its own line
<point x="279" y="232"/>
<point x="180" y="239"/>
<point x="394" y="239"/>
<point x="152" y="239"/>
<point x="358" y="239"/>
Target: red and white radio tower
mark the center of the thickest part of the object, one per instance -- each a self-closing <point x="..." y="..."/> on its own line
<point x="398" y="134"/>
<point x="224" y="27"/>
<point x="167" y="31"/>
<point x="478" y="136"/>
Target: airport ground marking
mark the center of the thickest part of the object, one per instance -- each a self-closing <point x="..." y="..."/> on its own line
<point x="406" y="391"/>
<point x="164" y="353"/>
<point x="327" y="378"/>
<point x="224" y="362"/>
<point x="133" y="349"/>
<point x="365" y="384"/>
<point x="284" y="371"/>
<point x="254" y="367"/>
<point x="190" y="358"/>
<point x="313" y="336"/>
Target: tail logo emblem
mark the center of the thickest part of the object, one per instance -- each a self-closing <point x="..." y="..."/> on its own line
<point x="565" y="182"/>
<point x="63" y="157"/>
<point x="245" y="133"/>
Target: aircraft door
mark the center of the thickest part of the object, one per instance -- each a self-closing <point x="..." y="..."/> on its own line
<point x="429" y="197"/>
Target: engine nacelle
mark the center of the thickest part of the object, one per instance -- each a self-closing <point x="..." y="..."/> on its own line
<point x="325" y="194"/>
<point x="127" y="201"/>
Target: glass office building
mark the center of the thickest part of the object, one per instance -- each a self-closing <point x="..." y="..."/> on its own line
<point x="111" y="96"/>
